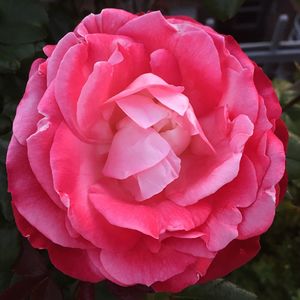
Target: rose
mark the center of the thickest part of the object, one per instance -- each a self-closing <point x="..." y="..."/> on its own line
<point x="146" y="151"/>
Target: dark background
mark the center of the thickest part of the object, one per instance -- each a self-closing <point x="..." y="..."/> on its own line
<point x="27" y="25"/>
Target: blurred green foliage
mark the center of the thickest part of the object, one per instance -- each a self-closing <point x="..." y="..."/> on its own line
<point x="25" y="27"/>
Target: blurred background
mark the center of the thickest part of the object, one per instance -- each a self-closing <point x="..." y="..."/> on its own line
<point x="267" y="30"/>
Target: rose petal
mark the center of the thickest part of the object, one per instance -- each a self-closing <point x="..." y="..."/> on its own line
<point x="27" y="115"/>
<point x="133" y="150"/>
<point x="156" y="33"/>
<point x="142" y="110"/>
<point x="145" y="267"/>
<point x="153" y="180"/>
<point x="164" y="65"/>
<point x="33" y="203"/>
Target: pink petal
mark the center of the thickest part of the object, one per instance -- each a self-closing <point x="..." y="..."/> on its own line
<point x="181" y="281"/>
<point x="107" y="199"/>
<point x="92" y="96"/>
<point x="241" y="130"/>
<point x="164" y="65"/>
<point x="142" y="110"/>
<point x="73" y="175"/>
<point x="178" y="138"/>
<point x="133" y="150"/>
<point x="259" y="216"/>
<point x="199" y="179"/>
<point x="195" y="247"/>
<point x="236" y="254"/>
<point x="33" y="203"/>
<point x="38" y="150"/>
<point x="202" y="78"/>
<point x="27" y="114"/>
<point x="145" y="81"/>
<point x="75" y="263"/>
<point x="36" y="239"/>
<point x="58" y="54"/>
<point x="156" y="33"/>
<point x="226" y="218"/>
<point x="171" y="99"/>
<point x="151" y="219"/>
<point x="239" y="85"/>
<point x="71" y="76"/>
<point x="153" y="180"/>
<point x="266" y="90"/>
<point x="108" y="21"/>
<point x="140" y="266"/>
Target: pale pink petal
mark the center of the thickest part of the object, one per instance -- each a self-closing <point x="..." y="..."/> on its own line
<point x="171" y="99"/>
<point x="178" y="138"/>
<point x="142" y="110"/>
<point x="145" y="81"/>
<point x="133" y="150"/>
<point x="153" y="180"/>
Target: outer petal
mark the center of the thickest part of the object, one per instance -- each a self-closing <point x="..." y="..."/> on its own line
<point x="140" y="266"/>
<point x="33" y="203"/>
<point x="108" y="21"/>
<point x="58" y="54"/>
<point x="27" y="114"/>
<point x="236" y="254"/>
<point x="75" y="263"/>
<point x="156" y="33"/>
<point x="151" y="219"/>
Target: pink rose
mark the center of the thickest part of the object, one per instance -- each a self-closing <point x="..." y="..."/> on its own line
<point x="146" y="151"/>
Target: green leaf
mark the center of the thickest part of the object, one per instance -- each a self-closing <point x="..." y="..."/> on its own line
<point x="215" y="290"/>
<point x="293" y="156"/>
<point x="223" y="9"/>
<point x="9" y="247"/>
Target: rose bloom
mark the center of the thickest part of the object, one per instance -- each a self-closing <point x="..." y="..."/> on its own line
<point x="146" y="150"/>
